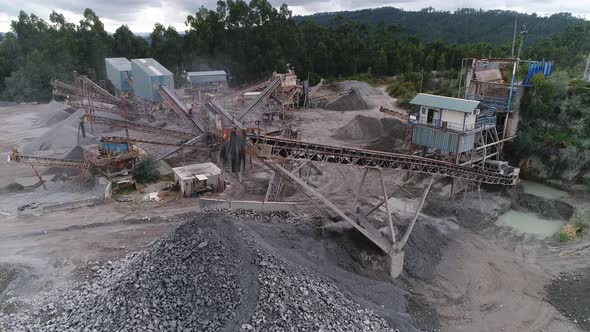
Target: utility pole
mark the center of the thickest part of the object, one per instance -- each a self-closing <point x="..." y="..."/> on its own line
<point x="523" y="33"/>
<point x="514" y="36"/>
<point x="587" y="70"/>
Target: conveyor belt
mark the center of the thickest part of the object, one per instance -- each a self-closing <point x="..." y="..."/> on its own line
<point x="286" y="148"/>
<point x="269" y="89"/>
<point x="212" y="103"/>
<point x="137" y="127"/>
<point x="179" y="107"/>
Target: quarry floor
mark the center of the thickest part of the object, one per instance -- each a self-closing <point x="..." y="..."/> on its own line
<point x="463" y="272"/>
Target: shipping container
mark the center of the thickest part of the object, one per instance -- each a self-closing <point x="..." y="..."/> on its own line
<point x="148" y="76"/>
<point x="118" y="71"/>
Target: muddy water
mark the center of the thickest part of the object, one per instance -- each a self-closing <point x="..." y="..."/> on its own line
<point x="542" y="190"/>
<point x="529" y="223"/>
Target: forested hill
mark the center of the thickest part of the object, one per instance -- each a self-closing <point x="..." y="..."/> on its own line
<point x="462" y="26"/>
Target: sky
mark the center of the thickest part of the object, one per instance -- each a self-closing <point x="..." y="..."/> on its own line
<point x="140" y="15"/>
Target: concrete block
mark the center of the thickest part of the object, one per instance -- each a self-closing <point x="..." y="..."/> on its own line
<point x="396" y="264"/>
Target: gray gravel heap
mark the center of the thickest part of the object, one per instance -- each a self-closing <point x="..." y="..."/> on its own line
<point x="187" y="281"/>
<point x="291" y="298"/>
<point x="211" y="274"/>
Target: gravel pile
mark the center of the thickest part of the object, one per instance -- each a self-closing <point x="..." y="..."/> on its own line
<point x="350" y="102"/>
<point x="292" y="299"/>
<point x="210" y="274"/>
<point x="63" y="135"/>
<point x="570" y="294"/>
<point x="361" y="128"/>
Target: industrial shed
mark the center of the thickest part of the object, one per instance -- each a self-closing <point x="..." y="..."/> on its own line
<point x="197" y="178"/>
<point x="118" y="71"/>
<point x="148" y="75"/>
<point x="215" y="77"/>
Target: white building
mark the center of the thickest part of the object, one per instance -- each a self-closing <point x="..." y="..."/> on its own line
<point x="197" y="178"/>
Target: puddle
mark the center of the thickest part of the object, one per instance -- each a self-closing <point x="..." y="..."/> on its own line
<point x="529" y="223"/>
<point x="542" y="190"/>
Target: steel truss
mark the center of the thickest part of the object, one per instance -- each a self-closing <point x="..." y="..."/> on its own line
<point x="286" y="148"/>
<point x="136" y="126"/>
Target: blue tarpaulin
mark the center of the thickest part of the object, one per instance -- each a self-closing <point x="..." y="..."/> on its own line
<point x="538" y="67"/>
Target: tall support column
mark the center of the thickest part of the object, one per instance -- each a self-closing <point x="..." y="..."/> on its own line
<point x="269" y="188"/>
<point x="404" y="240"/>
<point x="377" y="206"/>
<point x="385" y="201"/>
<point x="358" y="192"/>
<point x="39" y="176"/>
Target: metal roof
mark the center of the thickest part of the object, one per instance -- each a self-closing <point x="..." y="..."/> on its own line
<point x="447" y="103"/>
<point x="194" y="170"/>
<point x="121" y="64"/>
<point x="206" y="73"/>
<point x="488" y="75"/>
<point x="152" y="67"/>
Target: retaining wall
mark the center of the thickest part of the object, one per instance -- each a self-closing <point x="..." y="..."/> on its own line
<point x="247" y="205"/>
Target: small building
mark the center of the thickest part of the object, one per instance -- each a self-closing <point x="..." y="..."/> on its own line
<point x="197" y="178"/>
<point x="449" y="124"/>
<point x="148" y="76"/>
<point x="118" y="72"/>
<point x="217" y="78"/>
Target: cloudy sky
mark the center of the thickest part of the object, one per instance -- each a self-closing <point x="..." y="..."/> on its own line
<point x="140" y="15"/>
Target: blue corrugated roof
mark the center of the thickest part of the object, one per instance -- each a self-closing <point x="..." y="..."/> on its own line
<point x="447" y="103"/>
<point x="206" y="73"/>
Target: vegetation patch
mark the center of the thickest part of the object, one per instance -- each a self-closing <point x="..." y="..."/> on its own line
<point x="147" y="171"/>
<point x="575" y="229"/>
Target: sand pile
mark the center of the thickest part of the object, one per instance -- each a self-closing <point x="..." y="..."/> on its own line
<point x="350" y="102"/>
<point x="361" y="128"/>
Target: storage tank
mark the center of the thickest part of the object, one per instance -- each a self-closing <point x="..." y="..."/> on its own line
<point x="148" y="75"/>
<point x="118" y="70"/>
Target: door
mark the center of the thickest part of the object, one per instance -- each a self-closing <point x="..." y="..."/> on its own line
<point x="430" y="116"/>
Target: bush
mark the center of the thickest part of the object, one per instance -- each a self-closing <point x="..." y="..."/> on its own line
<point x="563" y="237"/>
<point x="147" y="171"/>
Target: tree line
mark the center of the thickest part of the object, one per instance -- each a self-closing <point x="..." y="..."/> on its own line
<point x="247" y="39"/>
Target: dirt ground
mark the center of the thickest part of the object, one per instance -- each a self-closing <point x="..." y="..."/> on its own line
<point x="463" y="273"/>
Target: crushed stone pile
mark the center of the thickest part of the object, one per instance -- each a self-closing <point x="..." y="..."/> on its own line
<point x="361" y="128"/>
<point x="569" y="293"/>
<point x="394" y="137"/>
<point x="63" y="135"/>
<point x="77" y="153"/>
<point x="350" y="102"/>
<point x="292" y="299"/>
<point x="384" y="134"/>
<point x="364" y="89"/>
<point x="210" y="274"/>
<point x="12" y="188"/>
<point x="51" y="113"/>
